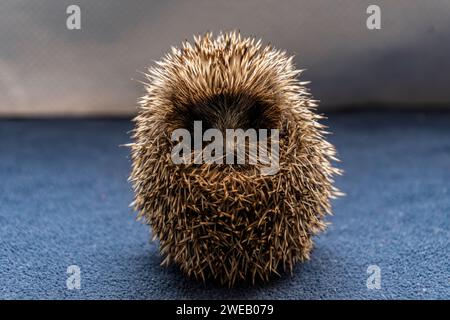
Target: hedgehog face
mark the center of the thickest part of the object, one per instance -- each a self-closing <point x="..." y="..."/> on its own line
<point x="223" y="111"/>
<point x="230" y="222"/>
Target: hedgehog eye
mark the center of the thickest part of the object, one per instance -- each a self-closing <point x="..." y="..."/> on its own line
<point x="263" y="116"/>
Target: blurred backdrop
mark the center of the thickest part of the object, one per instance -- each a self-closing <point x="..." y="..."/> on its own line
<point x="48" y="70"/>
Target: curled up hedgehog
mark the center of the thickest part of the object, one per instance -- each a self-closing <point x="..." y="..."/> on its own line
<point x="231" y="221"/>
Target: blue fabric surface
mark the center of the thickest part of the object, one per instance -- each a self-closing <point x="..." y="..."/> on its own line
<point x="64" y="200"/>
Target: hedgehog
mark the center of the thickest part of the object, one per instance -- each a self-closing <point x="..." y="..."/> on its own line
<point x="222" y="222"/>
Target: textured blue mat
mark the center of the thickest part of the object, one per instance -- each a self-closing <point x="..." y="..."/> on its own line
<point x="64" y="201"/>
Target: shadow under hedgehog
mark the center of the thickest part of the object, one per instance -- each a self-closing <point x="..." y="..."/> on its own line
<point x="229" y="222"/>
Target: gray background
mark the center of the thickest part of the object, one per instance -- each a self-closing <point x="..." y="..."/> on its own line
<point x="46" y="69"/>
